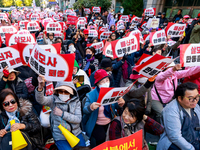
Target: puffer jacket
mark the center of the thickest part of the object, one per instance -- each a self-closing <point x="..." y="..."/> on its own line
<point x="72" y="111"/>
<point x="17" y="86"/>
<point x="26" y="116"/>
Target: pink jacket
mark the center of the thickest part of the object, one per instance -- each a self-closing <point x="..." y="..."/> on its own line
<point x="164" y="82"/>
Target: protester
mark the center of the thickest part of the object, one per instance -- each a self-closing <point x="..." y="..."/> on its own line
<point x="180" y="119"/>
<point x="178" y="15"/>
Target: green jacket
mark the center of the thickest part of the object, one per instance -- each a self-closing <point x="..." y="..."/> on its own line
<point x="195" y="35"/>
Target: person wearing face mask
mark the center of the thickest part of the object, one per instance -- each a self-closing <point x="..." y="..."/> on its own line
<point x="90" y="64"/>
<point x="96" y="118"/>
<point x="71" y="49"/>
<point x="66" y="111"/>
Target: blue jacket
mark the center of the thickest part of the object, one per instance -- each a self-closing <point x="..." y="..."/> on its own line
<point x="172" y="120"/>
<point x="89" y="116"/>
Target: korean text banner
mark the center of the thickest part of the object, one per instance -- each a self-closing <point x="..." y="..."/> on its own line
<point x="125" y="45"/>
<point x="154" y="65"/>
<point x="150" y="11"/>
<point x="190" y="55"/>
<point x="158" y="37"/>
<point x="98" y="47"/>
<point x="55" y="67"/>
<point x="71" y="19"/>
<point x="109" y="96"/>
<point x="175" y="29"/>
<point x="9" y="56"/>
<point x="132" y="142"/>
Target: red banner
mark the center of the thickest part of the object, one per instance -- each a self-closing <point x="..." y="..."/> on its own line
<point x="175" y="29"/>
<point x="98" y="47"/>
<point x="136" y="19"/>
<point x="125" y="18"/>
<point x="158" y="37"/>
<point x="71" y="20"/>
<point x="104" y="35"/>
<point x="132" y="142"/>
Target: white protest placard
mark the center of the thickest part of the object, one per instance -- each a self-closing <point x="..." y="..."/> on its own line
<point x="32" y="26"/>
<point x="44" y="21"/>
<point x="93" y="33"/>
<point x="104" y="35"/>
<point x="175" y="29"/>
<point x="7" y="29"/>
<point x="68" y="11"/>
<point x="9" y="56"/>
<point x="34" y="17"/>
<point x="55" y="67"/>
<point x="80" y="24"/>
<point x="3" y="16"/>
<point x="154" y="65"/>
<point x="125" y="18"/>
<point x="150" y="11"/>
<point x="134" y="32"/>
<point x="53" y="27"/>
<point x="109" y="96"/>
<point x="190" y="55"/>
<point x="22" y="24"/>
<point x="56" y="17"/>
<point x="98" y="47"/>
<point x="120" y="25"/>
<point x="136" y="20"/>
<point x="107" y="51"/>
<point x="153" y="23"/>
<point x="96" y="9"/>
<point x="87" y="10"/>
<point x="158" y="37"/>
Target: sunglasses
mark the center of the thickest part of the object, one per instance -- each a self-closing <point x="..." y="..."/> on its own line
<point x="13" y="101"/>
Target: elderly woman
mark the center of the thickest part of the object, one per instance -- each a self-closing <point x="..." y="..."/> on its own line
<point x="12" y="108"/>
<point x="66" y="111"/>
<point x="11" y="80"/>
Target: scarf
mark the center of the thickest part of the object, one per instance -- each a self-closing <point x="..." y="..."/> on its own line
<point x="88" y="63"/>
<point x="125" y="70"/>
<point x="12" y="116"/>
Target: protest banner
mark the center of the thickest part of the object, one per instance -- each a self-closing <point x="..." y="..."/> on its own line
<point x="170" y="42"/>
<point x="87" y="10"/>
<point x="32" y="26"/>
<point x="98" y="47"/>
<point x="189" y="55"/>
<point x="134" y="32"/>
<point x="110" y="95"/>
<point x="92" y="33"/>
<point x="56" y="17"/>
<point x="53" y="27"/>
<point x="153" y="23"/>
<point x="3" y="16"/>
<point x="125" y="18"/>
<point x="73" y="13"/>
<point x="80" y="24"/>
<point x="21" y="24"/>
<point x="107" y="51"/>
<point x="143" y="59"/>
<point x="9" y="56"/>
<point x="34" y="17"/>
<point x="39" y="37"/>
<point x="103" y="29"/>
<point x="55" y="67"/>
<point x="150" y="11"/>
<point x="154" y="65"/>
<point x="136" y="19"/>
<point x="104" y="35"/>
<point x="190" y="21"/>
<point x="158" y="37"/>
<point x="120" y="25"/>
<point x="175" y="29"/>
<point x="71" y="20"/>
<point x="83" y="18"/>
<point x="144" y="25"/>
<point x="7" y="29"/>
<point x="96" y="9"/>
<point x="26" y="49"/>
<point x="12" y="39"/>
<point x="125" y="45"/>
<point x="131" y="142"/>
<point x="46" y="21"/>
<point x="68" y="11"/>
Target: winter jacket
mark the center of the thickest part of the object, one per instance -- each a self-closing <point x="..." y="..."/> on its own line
<point x="169" y="48"/>
<point x="26" y="116"/>
<point x="172" y="120"/>
<point x="89" y="116"/>
<point x="78" y="56"/>
<point x="17" y="86"/>
<point x="72" y="111"/>
<point x="47" y="41"/>
<point x="26" y="72"/>
<point x="195" y="35"/>
<point x="93" y="66"/>
<point x="164" y="84"/>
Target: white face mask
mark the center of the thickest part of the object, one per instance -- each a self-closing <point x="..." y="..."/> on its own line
<point x="72" y="48"/>
<point x="107" y="84"/>
<point x="142" y="80"/>
<point x="64" y="98"/>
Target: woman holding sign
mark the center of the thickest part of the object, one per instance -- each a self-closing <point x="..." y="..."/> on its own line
<point x="96" y="117"/>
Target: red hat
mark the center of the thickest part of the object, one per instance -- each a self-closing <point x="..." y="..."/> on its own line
<point x="86" y="31"/>
<point x="100" y="75"/>
<point x="198" y="15"/>
<point x="186" y="17"/>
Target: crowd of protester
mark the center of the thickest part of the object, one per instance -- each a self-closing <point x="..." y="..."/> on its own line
<point x="165" y="105"/>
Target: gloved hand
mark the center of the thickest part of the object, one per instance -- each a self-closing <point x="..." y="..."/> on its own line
<point x="5" y="72"/>
<point x="124" y="57"/>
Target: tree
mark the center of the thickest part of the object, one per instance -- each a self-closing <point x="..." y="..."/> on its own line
<point x="7" y="3"/>
<point x="37" y="2"/>
<point x="133" y="7"/>
<point x="18" y="3"/>
<point x="104" y="4"/>
<point x="28" y="2"/>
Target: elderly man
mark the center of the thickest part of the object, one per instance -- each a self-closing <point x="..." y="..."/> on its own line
<point x="181" y="120"/>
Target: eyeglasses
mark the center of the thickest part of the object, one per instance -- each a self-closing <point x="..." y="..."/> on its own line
<point x="13" y="101"/>
<point x="193" y="99"/>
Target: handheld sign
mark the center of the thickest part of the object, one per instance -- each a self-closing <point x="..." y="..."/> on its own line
<point x="87" y="10"/>
<point x="7" y="29"/>
<point x="109" y="96"/>
<point x="93" y="33"/>
<point x="107" y="51"/>
<point x="175" y="29"/>
<point x="125" y="18"/>
<point x="190" y="55"/>
<point x="55" y="67"/>
<point x="158" y="37"/>
<point x="22" y="24"/>
<point x="154" y="65"/>
<point x="104" y="35"/>
<point x="32" y="26"/>
<point x="134" y="32"/>
<point x="150" y="11"/>
<point x="98" y="47"/>
<point x="53" y="27"/>
<point x="71" y="20"/>
<point x="34" y="17"/>
<point x="153" y="23"/>
<point x="96" y="9"/>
